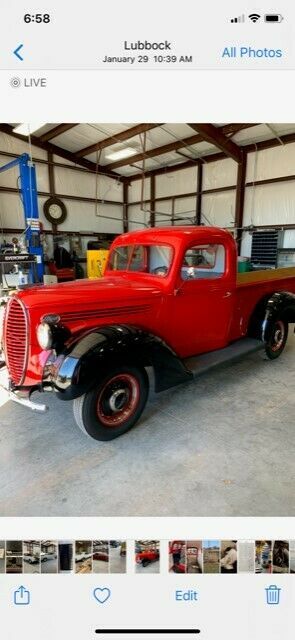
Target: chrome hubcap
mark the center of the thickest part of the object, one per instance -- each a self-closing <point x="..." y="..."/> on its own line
<point x="118" y="399"/>
<point x="278" y="336"/>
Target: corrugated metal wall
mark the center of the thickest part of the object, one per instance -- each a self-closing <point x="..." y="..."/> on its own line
<point x="266" y="204"/>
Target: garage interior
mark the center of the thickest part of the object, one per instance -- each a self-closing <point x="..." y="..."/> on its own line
<point x="220" y="446"/>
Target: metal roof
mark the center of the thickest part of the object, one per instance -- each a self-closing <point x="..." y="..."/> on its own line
<point x="156" y="146"/>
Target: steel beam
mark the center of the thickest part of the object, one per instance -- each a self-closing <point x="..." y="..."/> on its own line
<point x="57" y="131"/>
<point x="118" y="137"/>
<point x="199" y="195"/>
<point x="228" y="129"/>
<point x="63" y="153"/>
<point x="125" y="206"/>
<point x="213" y="135"/>
<point x="240" y="198"/>
<point x="153" y="200"/>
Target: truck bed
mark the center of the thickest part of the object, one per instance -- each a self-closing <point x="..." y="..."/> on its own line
<point x="254" y="286"/>
<point x="265" y="275"/>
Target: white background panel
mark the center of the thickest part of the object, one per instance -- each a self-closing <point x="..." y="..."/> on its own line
<point x="42" y="177"/>
<point x="177" y="182"/>
<point x="270" y="204"/>
<point x="81" y="217"/>
<point x="135" y="190"/>
<point x="219" y="174"/>
<point x="271" y="163"/>
<point x="137" y="217"/>
<point x="162" y="221"/>
<point x="11" y="211"/>
<point x="265" y="204"/>
<point x="104" y="225"/>
<point x="9" y="178"/>
<point x="219" y="209"/>
<point x="77" y="183"/>
<point x="185" y="205"/>
<point x="8" y="143"/>
<point x="163" y="213"/>
<point x="185" y="209"/>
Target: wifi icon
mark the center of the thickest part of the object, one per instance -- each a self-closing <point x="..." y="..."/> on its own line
<point x="254" y="17"/>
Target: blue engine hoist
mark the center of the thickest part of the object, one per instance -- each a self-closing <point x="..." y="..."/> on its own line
<point x="29" y="197"/>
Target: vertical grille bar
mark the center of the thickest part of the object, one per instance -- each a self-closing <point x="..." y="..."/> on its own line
<point x="16" y="340"/>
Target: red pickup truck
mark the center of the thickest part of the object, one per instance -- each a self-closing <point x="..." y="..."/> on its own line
<point x="147" y="557"/>
<point x="171" y="299"/>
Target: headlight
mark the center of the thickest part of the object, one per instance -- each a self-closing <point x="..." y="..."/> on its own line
<point x="44" y="336"/>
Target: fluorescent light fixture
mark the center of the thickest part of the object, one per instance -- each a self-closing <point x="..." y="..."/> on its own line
<point x="27" y="128"/>
<point x="127" y="152"/>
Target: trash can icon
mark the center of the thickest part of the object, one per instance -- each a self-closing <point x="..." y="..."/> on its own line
<point x="273" y="594"/>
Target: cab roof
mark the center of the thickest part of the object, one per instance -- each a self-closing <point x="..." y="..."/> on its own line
<point x="174" y="234"/>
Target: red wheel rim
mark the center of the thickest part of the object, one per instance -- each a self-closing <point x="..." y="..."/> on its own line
<point x="278" y="336"/>
<point x="118" y="400"/>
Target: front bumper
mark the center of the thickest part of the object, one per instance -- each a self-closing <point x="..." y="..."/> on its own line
<point x="27" y="402"/>
<point x="23" y="396"/>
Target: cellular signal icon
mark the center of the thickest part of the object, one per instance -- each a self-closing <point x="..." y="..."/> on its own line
<point x="239" y="19"/>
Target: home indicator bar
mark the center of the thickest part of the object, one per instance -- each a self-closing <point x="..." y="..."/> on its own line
<point x="147" y="631"/>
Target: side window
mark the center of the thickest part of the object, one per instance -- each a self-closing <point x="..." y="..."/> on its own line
<point x="204" y="261"/>
<point x="119" y="258"/>
<point x="138" y="261"/>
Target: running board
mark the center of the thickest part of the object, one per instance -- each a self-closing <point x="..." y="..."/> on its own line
<point x="198" y="365"/>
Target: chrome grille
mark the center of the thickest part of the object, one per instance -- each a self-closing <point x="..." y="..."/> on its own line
<point x="16" y="340"/>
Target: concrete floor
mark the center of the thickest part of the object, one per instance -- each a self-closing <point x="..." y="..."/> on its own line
<point x="50" y="566"/>
<point x="31" y="568"/>
<point x="117" y="562"/>
<point x="220" y="446"/>
<point x="153" y="567"/>
<point x="100" y="566"/>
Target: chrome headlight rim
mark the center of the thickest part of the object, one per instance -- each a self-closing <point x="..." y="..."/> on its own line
<point x="44" y="336"/>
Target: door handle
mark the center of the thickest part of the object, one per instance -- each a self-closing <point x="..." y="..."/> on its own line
<point x="227" y="294"/>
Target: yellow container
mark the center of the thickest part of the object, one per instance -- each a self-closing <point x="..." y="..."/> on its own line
<point x="96" y="262"/>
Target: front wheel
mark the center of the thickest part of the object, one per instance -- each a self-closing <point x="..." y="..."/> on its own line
<point x="114" y="405"/>
<point x="145" y="563"/>
<point x="277" y="340"/>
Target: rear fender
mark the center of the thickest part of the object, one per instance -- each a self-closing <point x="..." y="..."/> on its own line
<point x="86" y="361"/>
<point x="281" y="305"/>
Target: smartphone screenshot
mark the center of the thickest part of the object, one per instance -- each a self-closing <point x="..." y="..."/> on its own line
<point x="147" y="314"/>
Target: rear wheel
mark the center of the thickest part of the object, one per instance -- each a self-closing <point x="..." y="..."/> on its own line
<point x="277" y="340"/>
<point x="114" y="405"/>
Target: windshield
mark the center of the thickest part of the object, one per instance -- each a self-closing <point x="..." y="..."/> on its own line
<point x="153" y="259"/>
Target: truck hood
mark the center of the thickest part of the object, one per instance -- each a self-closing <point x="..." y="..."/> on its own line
<point x="108" y="290"/>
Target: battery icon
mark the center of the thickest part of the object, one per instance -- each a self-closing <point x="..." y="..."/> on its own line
<point x="273" y="17"/>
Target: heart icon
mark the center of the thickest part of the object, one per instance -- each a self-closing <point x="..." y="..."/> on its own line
<point x="102" y="594"/>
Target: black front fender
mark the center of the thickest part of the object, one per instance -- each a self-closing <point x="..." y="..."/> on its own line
<point x="86" y="361"/>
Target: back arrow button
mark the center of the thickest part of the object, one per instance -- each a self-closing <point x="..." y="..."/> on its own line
<point x="17" y="50"/>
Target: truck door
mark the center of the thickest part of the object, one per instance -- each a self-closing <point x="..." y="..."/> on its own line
<point x="204" y="298"/>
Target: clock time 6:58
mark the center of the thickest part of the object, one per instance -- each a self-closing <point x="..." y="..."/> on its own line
<point x="37" y="17"/>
